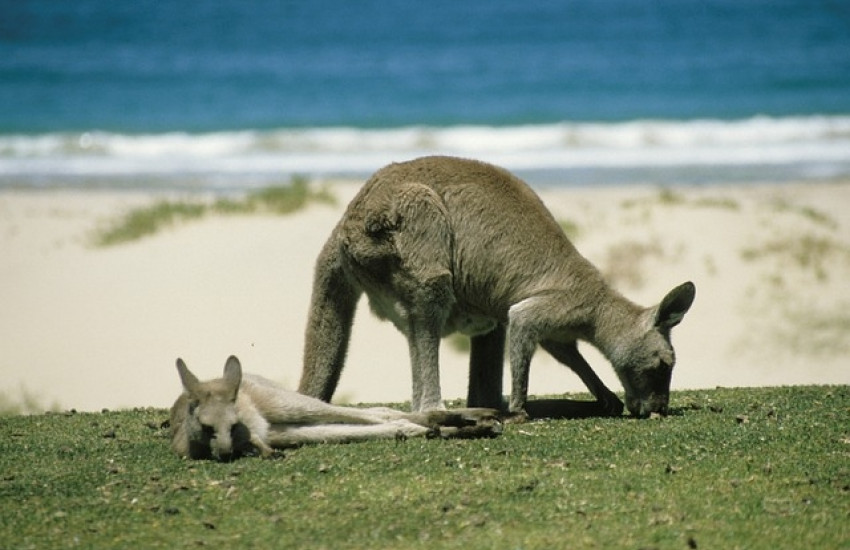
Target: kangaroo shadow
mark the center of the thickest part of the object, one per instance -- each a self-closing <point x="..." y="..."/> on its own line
<point x="569" y="409"/>
<point x="561" y="409"/>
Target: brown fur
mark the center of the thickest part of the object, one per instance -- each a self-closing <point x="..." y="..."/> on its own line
<point x="441" y="244"/>
<point x="240" y="415"/>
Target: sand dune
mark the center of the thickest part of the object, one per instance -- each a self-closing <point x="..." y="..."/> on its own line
<point x="93" y="328"/>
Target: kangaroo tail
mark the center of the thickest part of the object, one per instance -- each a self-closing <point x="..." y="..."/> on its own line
<point x="332" y="308"/>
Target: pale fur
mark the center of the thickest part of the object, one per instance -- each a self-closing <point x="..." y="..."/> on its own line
<point x="239" y="415"/>
<point x="441" y="244"/>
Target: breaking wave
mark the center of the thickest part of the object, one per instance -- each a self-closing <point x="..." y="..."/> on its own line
<point x="811" y="146"/>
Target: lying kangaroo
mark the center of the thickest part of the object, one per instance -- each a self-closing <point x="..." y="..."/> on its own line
<point x="247" y="415"/>
<point x="442" y="244"/>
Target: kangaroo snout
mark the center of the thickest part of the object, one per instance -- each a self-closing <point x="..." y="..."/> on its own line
<point x="222" y="448"/>
<point x="643" y="407"/>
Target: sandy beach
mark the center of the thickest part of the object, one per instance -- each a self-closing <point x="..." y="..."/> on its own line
<point x="90" y="328"/>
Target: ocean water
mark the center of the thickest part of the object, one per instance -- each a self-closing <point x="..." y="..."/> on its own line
<point x="240" y="93"/>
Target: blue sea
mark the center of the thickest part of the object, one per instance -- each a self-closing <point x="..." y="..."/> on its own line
<point x="228" y="94"/>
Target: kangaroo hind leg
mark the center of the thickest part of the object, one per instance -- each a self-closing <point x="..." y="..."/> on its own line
<point x="422" y="283"/>
<point x="486" y="366"/>
<point x="283" y="436"/>
<point x="462" y="423"/>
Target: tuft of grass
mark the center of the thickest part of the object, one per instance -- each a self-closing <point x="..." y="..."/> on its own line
<point x="624" y="264"/>
<point x="812" y="253"/>
<point x="723" y="203"/>
<point x="808" y="212"/>
<point x="730" y="468"/>
<point x="670" y="197"/>
<point x="813" y="332"/>
<point x="146" y="221"/>
<point x="27" y="402"/>
<point x="279" y="200"/>
<point x="285" y="200"/>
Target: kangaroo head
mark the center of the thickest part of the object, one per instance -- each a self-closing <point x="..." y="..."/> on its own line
<point x="646" y="365"/>
<point x="213" y="421"/>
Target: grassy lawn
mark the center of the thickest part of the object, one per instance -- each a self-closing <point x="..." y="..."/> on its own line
<point x="731" y="468"/>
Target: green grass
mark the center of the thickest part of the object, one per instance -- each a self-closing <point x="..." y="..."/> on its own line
<point x="745" y="468"/>
<point x="148" y="220"/>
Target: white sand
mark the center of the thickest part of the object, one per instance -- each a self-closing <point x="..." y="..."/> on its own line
<point x="93" y="328"/>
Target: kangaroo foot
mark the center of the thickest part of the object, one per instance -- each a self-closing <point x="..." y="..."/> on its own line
<point x="460" y="418"/>
<point x="517" y="417"/>
<point x="464" y="423"/>
<point x="610" y="405"/>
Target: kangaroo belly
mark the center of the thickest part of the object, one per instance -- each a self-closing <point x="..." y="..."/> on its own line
<point x="388" y="308"/>
<point x="469" y="323"/>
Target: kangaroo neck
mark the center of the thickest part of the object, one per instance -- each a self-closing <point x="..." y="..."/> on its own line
<point x="617" y="321"/>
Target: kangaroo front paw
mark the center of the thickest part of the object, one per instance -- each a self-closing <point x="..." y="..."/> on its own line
<point x="610" y="405"/>
<point x="261" y="448"/>
<point x="276" y="454"/>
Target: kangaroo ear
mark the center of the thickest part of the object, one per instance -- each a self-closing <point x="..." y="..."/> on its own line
<point x="190" y="381"/>
<point x="233" y="373"/>
<point x="673" y="307"/>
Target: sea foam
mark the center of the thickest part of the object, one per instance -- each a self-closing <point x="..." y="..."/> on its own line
<point x="802" y="146"/>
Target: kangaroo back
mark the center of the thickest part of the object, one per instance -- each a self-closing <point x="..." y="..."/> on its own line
<point x="504" y="243"/>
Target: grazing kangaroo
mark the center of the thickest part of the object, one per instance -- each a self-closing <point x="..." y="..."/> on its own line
<point x="246" y="415"/>
<point x="442" y="244"/>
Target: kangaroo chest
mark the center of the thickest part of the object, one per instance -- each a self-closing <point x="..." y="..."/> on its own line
<point x="456" y="319"/>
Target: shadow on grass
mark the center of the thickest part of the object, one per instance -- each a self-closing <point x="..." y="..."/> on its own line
<point x="569" y="409"/>
<point x="562" y="409"/>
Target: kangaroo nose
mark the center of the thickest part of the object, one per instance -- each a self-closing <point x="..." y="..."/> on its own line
<point x="226" y="456"/>
<point x="657" y="405"/>
<point x="653" y="405"/>
<point x="222" y="449"/>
